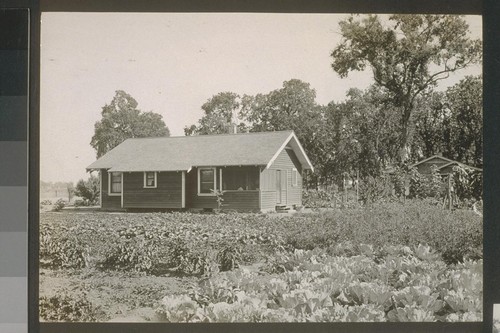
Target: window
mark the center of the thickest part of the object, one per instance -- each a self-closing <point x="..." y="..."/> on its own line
<point x="295" y="177"/>
<point x="149" y="179"/>
<point x="115" y="183"/>
<point x="206" y="181"/>
<point x="240" y="178"/>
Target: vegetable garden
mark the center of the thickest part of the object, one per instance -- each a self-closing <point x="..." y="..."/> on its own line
<point x="386" y="262"/>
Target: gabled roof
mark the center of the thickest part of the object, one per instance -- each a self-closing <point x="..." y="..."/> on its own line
<point x="431" y="158"/>
<point x="447" y="160"/>
<point x="184" y="152"/>
<point x="461" y="164"/>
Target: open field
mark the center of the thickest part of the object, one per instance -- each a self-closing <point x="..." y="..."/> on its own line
<point x="390" y="262"/>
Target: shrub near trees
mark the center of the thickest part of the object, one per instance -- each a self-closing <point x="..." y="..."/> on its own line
<point x="89" y="190"/>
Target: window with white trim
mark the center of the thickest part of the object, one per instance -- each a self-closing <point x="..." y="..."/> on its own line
<point x="206" y="181"/>
<point x="295" y="177"/>
<point x="115" y="183"/>
<point x="150" y="179"/>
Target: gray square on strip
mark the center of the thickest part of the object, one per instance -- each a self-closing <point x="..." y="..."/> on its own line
<point x="13" y="208"/>
<point x="13" y="299"/>
<point x="13" y="254"/>
<point x="13" y="118"/>
<point x="14" y="328"/>
<point x="14" y="163"/>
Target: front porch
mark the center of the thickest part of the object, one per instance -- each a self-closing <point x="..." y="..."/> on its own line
<point x="238" y="187"/>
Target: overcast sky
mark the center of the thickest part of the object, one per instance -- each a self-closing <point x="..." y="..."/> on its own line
<point x="171" y="63"/>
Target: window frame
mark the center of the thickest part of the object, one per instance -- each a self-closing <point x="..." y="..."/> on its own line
<point x="295" y="182"/>
<point x="110" y="177"/>
<point x="248" y="176"/>
<point x="145" y="184"/>
<point x="214" y="169"/>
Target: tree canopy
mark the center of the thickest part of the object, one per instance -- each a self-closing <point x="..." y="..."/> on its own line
<point x="280" y="109"/>
<point x="121" y="120"/>
<point x="360" y="135"/>
<point x="450" y="123"/>
<point x="219" y="112"/>
<point x="407" y="58"/>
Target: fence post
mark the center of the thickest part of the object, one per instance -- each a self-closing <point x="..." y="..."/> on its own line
<point x="449" y="191"/>
<point x="357" y="186"/>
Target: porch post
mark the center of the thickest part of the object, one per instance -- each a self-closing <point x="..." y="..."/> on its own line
<point x="183" y="195"/>
<point x="101" y="188"/>
<point x="121" y="202"/>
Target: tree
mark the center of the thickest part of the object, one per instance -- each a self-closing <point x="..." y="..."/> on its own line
<point x="220" y="112"/>
<point x="281" y="109"/>
<point x="369" y="131"/>
<point x="292" y="107"/>
<point x="88" y="189"/>
<point x="358" y="136"/>
<point x="71" y="191"/>
<point x="451" y="123"/>
<point x="407" y="58"/>
<point x="122" y="120"/>
<point x="465" y="105"/>
<point x="432" y="126"/>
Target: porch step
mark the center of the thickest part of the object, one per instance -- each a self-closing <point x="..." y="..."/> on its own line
<point x="282" y="208"/>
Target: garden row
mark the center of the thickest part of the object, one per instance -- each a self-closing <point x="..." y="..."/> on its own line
<point x="156" y="243"/>
<point x="313" y="286"/>
<point x="388" y="262"/>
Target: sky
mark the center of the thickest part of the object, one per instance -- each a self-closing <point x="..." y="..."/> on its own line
<point x="172" y="63"/>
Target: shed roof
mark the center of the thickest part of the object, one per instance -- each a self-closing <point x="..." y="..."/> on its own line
<point x="184" y="152"/>
<point x="446" y="162"/>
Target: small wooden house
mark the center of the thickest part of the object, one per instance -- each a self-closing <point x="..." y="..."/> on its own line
<point x="444" y="165"/>
<point x="254" y="171"/>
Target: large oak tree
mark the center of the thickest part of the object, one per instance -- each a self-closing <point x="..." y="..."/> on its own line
<point x="219" y="112"/>
<point x="407" y="57"/>
<point x="121" y="120"/>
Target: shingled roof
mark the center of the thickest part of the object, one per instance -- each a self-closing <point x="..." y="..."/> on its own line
<point x="184" y="152"/>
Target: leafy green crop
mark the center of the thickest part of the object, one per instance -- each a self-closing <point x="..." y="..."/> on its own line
<point x="388" y="262"/>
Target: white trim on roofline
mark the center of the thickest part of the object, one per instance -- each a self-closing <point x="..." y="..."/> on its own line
<point x="292" y="135"/>
<point x="430" y="158"/>
<point x="461" y="164"/>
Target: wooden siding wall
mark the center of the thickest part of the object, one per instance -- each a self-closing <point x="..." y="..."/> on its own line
<point x="447" y="170"/>
<point x="233" y="200"/>
<point x="167" y="194"/>
<point x="107" y="201"/>
<point x="290" y="195"/>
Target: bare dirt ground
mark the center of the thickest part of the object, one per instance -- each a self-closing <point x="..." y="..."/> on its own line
<point x="123" y="296"/>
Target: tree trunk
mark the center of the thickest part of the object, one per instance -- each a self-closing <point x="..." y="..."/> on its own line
<point x="404" y="148"/>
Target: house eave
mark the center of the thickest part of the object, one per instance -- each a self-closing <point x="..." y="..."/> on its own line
<point x="297" y="147"/>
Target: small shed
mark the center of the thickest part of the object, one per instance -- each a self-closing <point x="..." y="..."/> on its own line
<point x="253" y="171"/>
<point x="443" y="164"/>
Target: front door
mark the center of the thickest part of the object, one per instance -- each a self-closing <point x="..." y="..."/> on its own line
<point x="278" y="186"/>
